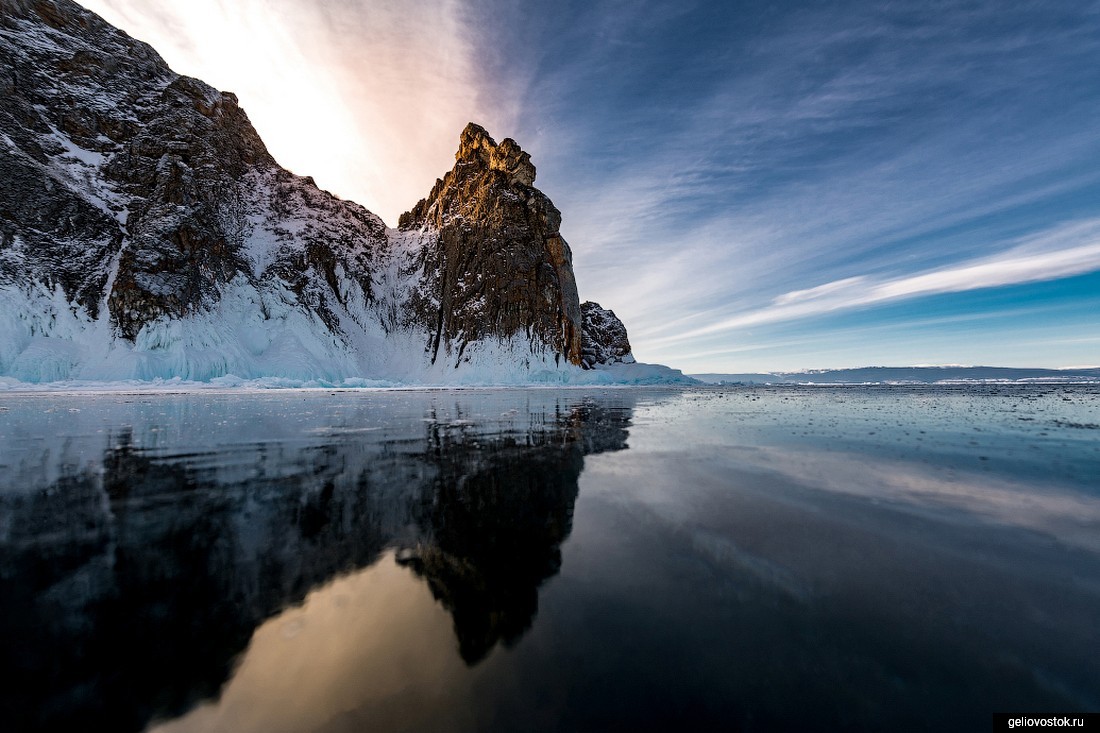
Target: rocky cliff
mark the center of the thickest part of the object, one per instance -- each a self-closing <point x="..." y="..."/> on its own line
<point x="145" y="231"/>
<point x="604" y="339"/>
<point x="492" y="257"/>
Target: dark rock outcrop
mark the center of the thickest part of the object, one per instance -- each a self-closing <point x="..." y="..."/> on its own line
<point x="603" y="339"/>
<point x="493" y="260"/>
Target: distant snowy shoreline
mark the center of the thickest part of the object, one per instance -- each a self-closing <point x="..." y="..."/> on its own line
<point x="913" y="375"/>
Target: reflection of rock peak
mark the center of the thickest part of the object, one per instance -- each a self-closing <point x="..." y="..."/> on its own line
<point x="155" y="562"/>
<point x="493" y="534"/>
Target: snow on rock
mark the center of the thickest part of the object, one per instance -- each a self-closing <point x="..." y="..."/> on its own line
<point x="603" y="339"/>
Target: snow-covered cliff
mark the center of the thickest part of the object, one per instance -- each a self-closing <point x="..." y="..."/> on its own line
<point x="146" y="232"/>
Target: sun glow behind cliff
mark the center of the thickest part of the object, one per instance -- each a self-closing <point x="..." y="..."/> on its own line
<point x="366" y="98"/>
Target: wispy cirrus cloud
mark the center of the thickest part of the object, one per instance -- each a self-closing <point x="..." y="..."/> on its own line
<point x="820" y="292"/>
<point x="1066" y="251"/>
<point x="846" y="141"/>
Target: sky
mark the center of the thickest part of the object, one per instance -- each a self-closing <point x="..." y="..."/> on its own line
<point x="750" y="186"/>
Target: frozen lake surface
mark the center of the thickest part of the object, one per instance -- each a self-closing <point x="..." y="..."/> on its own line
<point x="780" y="558"/>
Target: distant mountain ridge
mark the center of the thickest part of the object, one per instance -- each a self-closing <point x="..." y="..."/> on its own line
<point x="146" y="232"/>
<point x="921" y="375"/>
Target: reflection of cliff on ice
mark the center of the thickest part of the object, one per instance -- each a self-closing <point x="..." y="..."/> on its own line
<point x="156" y="533"/>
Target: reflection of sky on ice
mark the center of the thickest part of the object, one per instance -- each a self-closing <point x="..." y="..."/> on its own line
<point x="352" y="645"/>
<point x="1020" y="457"/>
<point x="539" y="559"/>
<point x="877" y="548"/>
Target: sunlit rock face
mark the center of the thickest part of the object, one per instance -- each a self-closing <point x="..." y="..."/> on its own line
<point x="145" y="231"/>
<point x="493" y="260"/>
<point x="604" y="339"/>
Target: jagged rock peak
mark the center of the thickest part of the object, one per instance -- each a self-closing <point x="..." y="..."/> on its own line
<point x="478" y="147"/>
<point x="603" y="337"/>
<point x="495" y="263"/>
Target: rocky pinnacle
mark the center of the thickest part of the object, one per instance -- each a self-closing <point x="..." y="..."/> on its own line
<point x="495" y="263"/>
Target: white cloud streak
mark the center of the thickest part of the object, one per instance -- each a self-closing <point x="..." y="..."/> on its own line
<point x="1065" y="251"/>
<point x="746" y="193"/>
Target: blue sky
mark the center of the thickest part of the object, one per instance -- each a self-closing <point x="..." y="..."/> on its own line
<point x="750" y="186"/>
